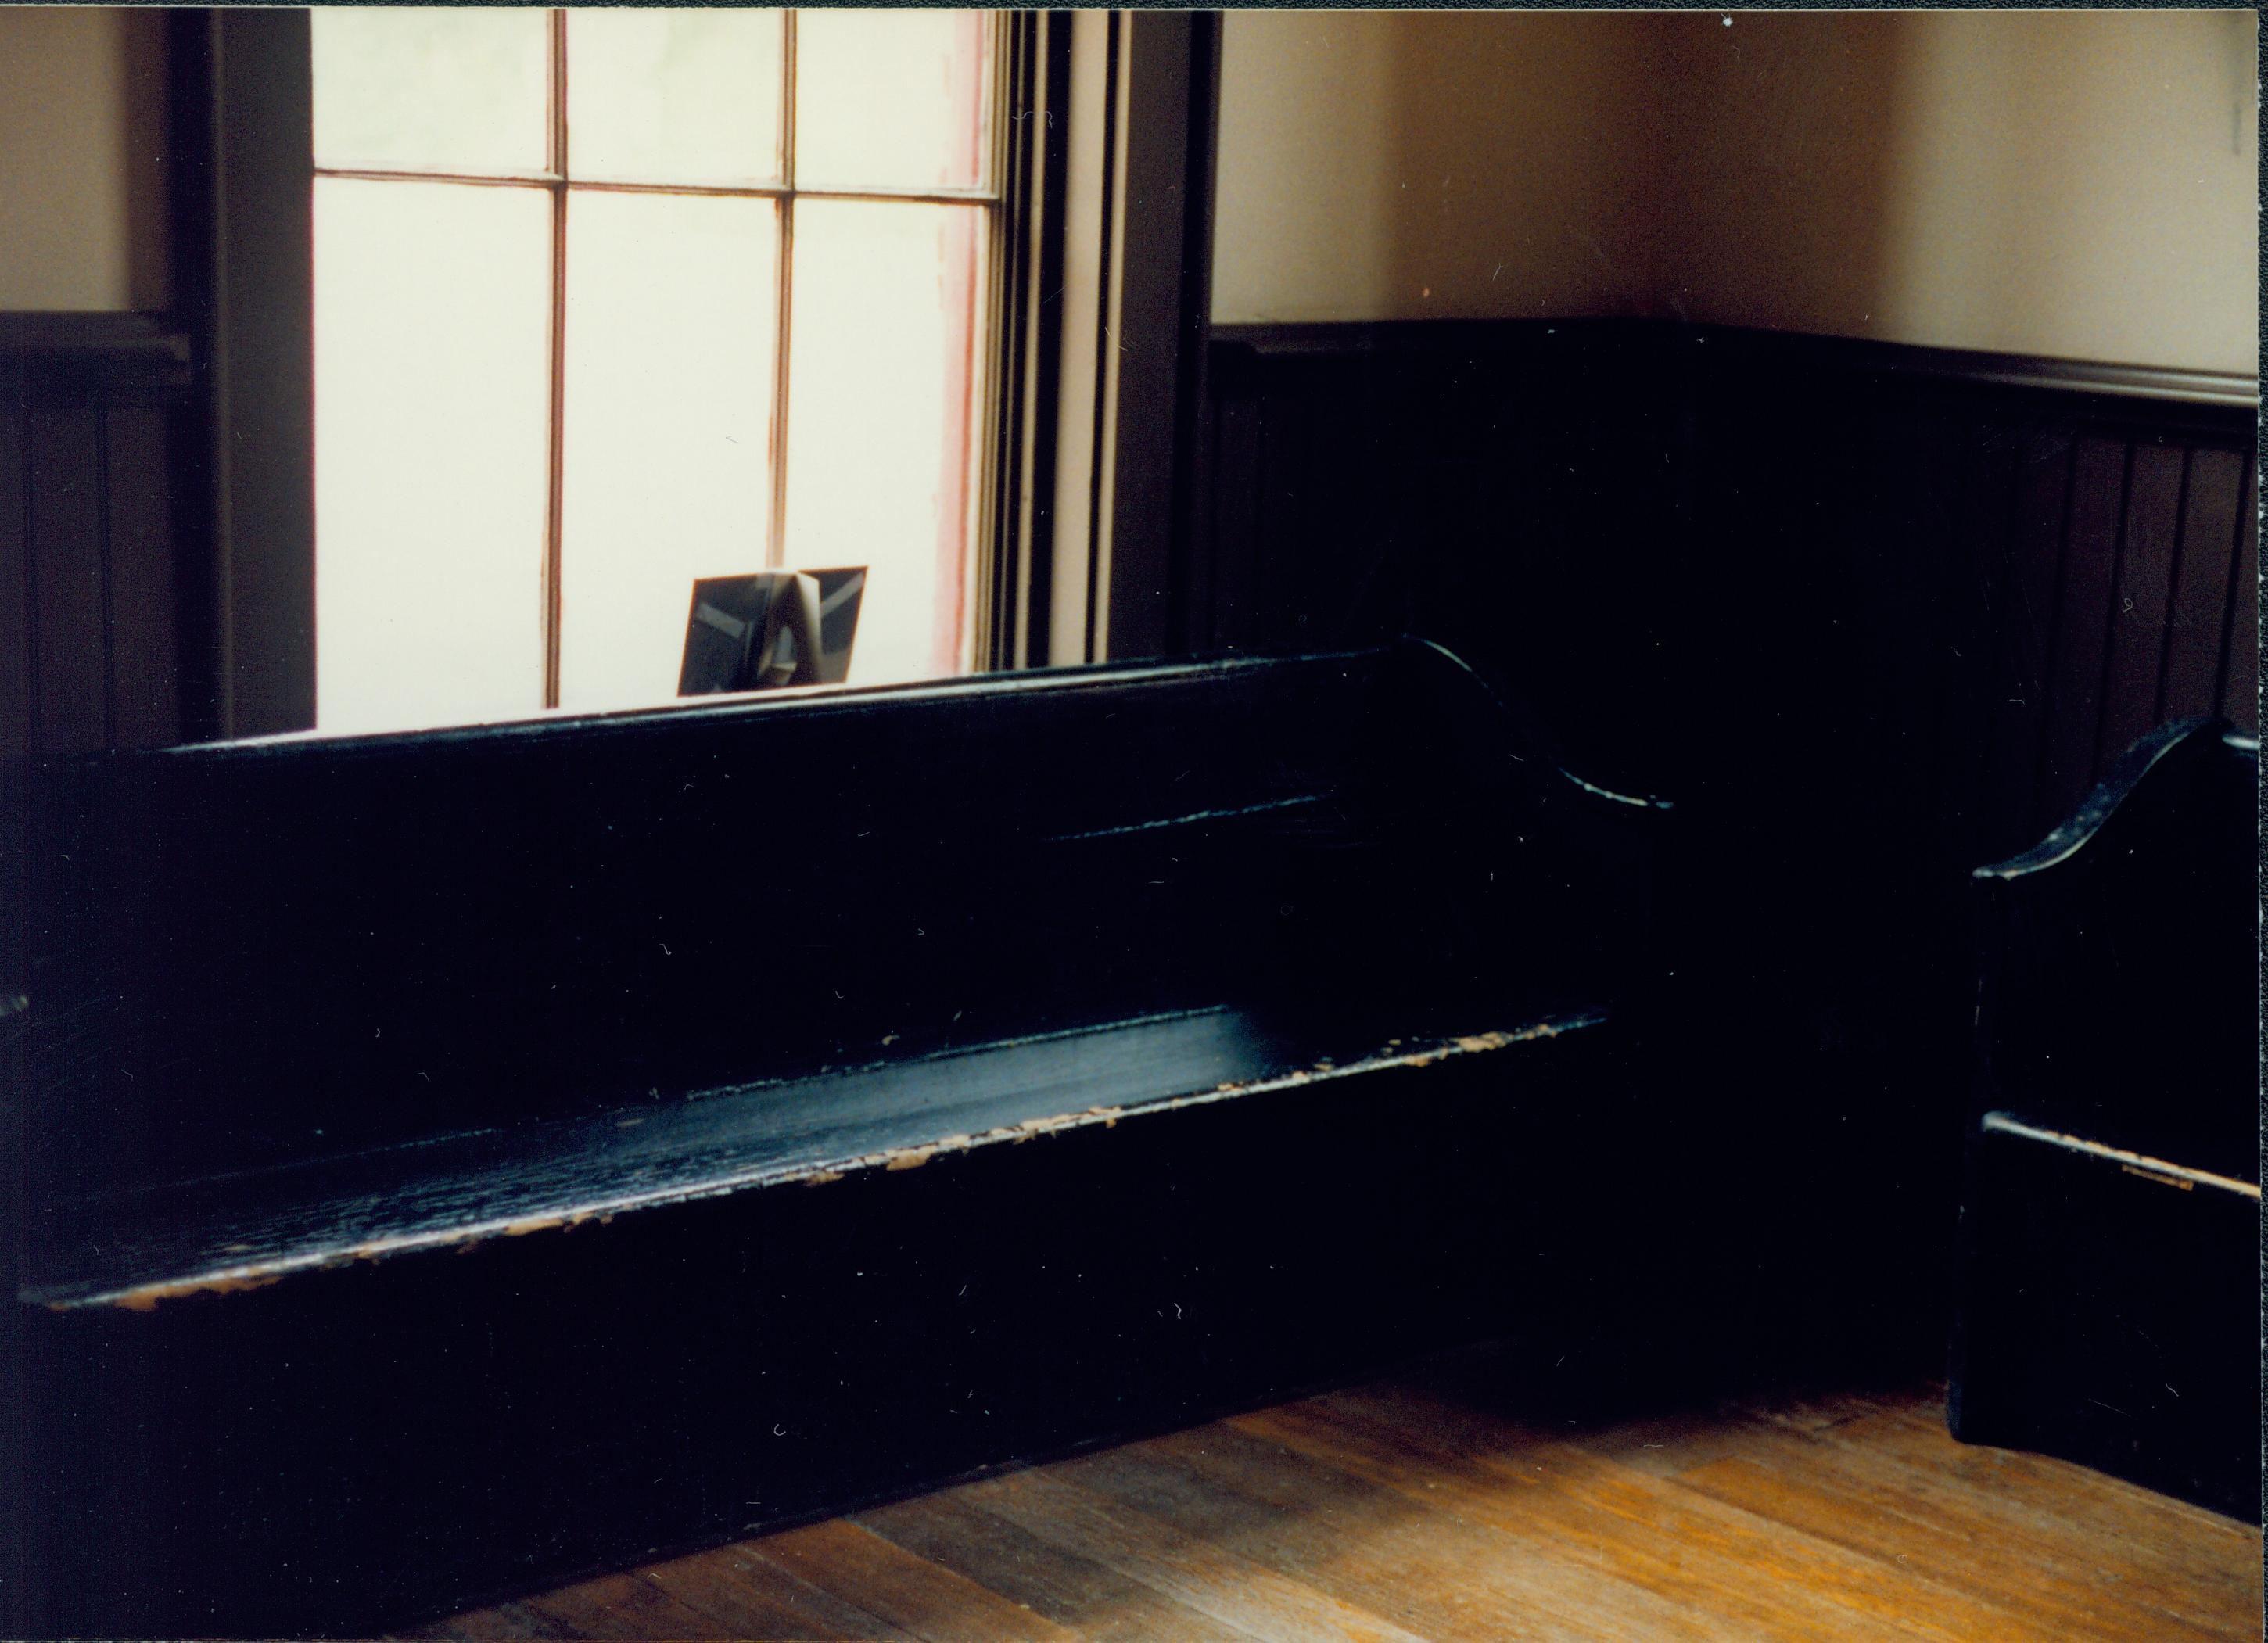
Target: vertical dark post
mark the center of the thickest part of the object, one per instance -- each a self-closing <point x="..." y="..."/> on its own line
<point x="244" y="189"/>
<point x="1189" y="590"/>
<point x="1037" y="154"/>
<point x="1163" y="277"/>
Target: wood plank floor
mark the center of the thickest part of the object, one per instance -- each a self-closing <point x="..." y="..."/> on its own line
<point x="1414" y="1509"/>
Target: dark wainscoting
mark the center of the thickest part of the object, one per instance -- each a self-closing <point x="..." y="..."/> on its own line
<point x="93" y="596"/>
<point x="1868" y="615"/>
<point x="2008" y="568"/>
<point x="90" y="410"/>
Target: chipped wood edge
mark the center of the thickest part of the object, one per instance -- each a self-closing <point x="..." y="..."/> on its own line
<point x="262" y="1273"/>
<point x="2134" y="1163"/>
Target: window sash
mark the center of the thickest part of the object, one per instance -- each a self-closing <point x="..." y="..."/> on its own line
<point x="559" y="182"/>
<point x="243" y="132"/>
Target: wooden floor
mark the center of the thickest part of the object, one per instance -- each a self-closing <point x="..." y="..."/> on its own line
<point x="1408" y="1509"/>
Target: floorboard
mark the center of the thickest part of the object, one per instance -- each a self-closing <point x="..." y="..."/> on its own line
<point x="1419" y="1507"/>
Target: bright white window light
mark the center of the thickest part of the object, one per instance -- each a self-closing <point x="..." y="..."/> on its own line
<point x="527" y="447"/>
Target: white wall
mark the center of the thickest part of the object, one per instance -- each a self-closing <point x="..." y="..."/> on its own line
<point x="2080" y="184"/>
<point x="82" y="158"/>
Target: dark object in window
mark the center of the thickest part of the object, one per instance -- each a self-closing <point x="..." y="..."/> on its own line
<point x="774" y="628"/>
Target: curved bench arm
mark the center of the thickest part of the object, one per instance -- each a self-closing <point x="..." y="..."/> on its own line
<point x="1504" y="708"/>
<point x="2071" y="834"/>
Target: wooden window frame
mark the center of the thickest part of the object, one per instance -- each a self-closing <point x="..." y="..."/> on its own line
<point x="1109" y="295"/>
<point x="1086" y="494"/>
<point x="557" y="181"/>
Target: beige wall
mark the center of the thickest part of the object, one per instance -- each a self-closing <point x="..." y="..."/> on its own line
<point x="1413" y="165"/>
<point x="1774" y="182"/>
<point x="82" y="158"/>
<point x="2075" y="184"/>
<point x="2084" y="183"/>
<point x="2072" y="183"/>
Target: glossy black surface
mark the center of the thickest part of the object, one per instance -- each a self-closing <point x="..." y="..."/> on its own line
<point x="1870" y="615"/>
<point x="249" y="954"/>
<point x="449" y="1191"/>
<point x="2110" y="1261"/>
<point x="468" y="1157"/>
<point x="2119" y="999"/>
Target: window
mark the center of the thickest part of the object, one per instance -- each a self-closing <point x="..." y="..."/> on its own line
<point x="608" y="301"/>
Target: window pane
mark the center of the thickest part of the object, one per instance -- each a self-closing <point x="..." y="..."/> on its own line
<point x="432" y="89"/>
<point x="880" y="394"/>
<point x="671" y="306"/>
<point x="892" y="98"/>
<point x="660" y="96"/>
<point x="433" y="384"/>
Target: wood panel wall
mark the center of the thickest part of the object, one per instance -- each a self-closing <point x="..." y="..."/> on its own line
<point x="1868" y="616"/>
<point x="91" y="407"/>
<point x="90" y="411"/>
<point x="2005" y="571"/>
<point x="2023" y="579"/>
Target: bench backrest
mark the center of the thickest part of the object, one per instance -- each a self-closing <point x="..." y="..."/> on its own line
<point x="2121" y="959"/>
<point x="244" y="954"/>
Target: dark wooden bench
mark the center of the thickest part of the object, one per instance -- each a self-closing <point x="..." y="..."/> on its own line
<point x="420" y="1128"/>
<point x="2109" y="1307"/>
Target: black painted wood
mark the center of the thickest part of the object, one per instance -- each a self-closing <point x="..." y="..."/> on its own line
<point x="2112" y="1318"/>
<point x="342" y="1452"/>
<point x="2188" y="677"/>
<point x="2141" y="603"/>
<point x="2118" y="992"/>
<point x="2109" y="1249"/>
<point x="716" y="1053"/>
<point x="92" y="358"/>
<point x="366" y="941"/>
<point x="1158" y="283"/>
<point x="1027" y="425"/>
<point x="1532" y="465"/>
<point x="1859" y="611"/>
<point x="89" y="406"/>
<point x="69" y="534"/>
<point x="18" y="601"/>
<point x="1815" y="594"/>
<point x="234" y="1232"/>
<point x="143" y="593"/>
<point x="240" y="132"/>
